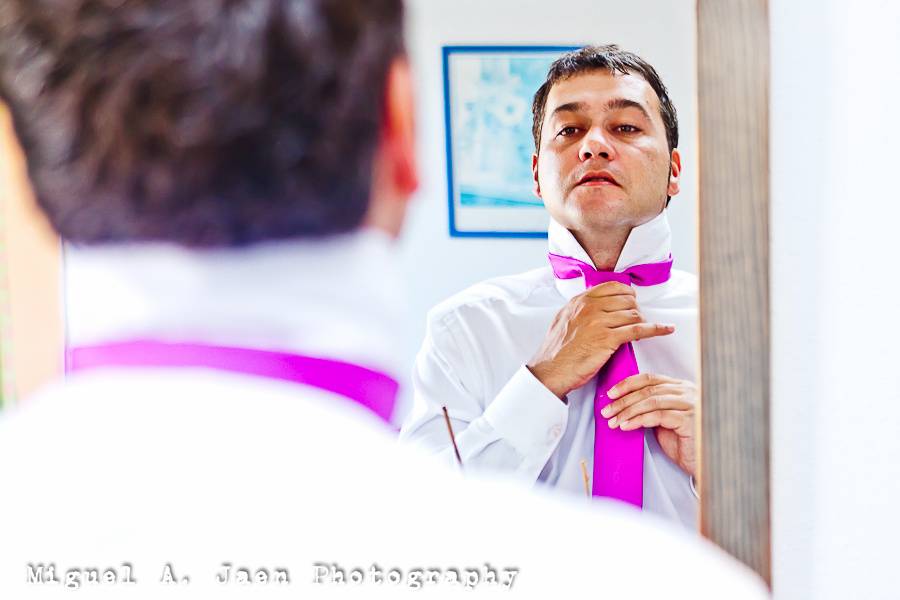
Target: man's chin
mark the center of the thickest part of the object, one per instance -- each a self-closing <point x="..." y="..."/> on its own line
<point x="598" y="209"/>
<point x="592" y="211"/>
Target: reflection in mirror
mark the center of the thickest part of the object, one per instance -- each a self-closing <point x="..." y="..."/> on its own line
<point x="561" y="327"/>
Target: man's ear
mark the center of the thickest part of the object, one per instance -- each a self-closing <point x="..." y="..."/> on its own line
<point x="395" y="175"/>
<point x="674" y="173"/>
<point x="534" y="173"/>
<point x="399" y="132"/>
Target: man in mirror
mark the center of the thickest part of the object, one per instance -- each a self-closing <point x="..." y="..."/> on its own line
<point x="581" y="373"/>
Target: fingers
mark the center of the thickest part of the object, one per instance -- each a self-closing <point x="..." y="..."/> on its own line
<point x="667" y="419"/>
<point x="610" y="288"/>
<point x="658" y="388"/>
<point x="655" y="403"/>
<point x="620" y="318"/>
<point x="599" y="301"/>
<point x="614" y="303"/>
<point x="640" y="331"/>
<point x="636" y="382"/>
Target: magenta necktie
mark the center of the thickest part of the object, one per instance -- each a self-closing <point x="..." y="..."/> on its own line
<point x="372" y="389"/>
<point x="618" y="455"/>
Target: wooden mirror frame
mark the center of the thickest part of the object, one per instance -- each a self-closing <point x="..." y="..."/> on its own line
<point x="733" y="107"/>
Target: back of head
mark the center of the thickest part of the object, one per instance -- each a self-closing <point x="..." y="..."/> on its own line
<point x="200" y="122"/>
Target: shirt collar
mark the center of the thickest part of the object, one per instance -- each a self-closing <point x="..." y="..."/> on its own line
<point x="337" y="298"/>
<point x="647" y="243"/>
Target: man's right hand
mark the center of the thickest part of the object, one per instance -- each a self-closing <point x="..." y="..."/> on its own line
<point x="585" y="334"/>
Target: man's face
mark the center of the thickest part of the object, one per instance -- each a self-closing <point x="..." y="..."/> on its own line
<point x="604" y="161"/>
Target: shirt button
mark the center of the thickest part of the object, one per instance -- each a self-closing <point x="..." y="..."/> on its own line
<point x="555" y="432"/>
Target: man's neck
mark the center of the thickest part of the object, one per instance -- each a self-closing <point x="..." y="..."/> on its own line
<point x="604" y="247"/>
<point x="338" y="297"/>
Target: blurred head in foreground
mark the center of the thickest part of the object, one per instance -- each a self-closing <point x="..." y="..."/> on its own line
<point x="211" y="123"/>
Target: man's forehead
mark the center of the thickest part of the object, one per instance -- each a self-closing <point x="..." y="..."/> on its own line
<point x="594" y="89"/>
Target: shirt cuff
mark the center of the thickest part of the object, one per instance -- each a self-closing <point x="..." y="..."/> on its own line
<point x="694" y="488"/>
<point x="528" y="415"/>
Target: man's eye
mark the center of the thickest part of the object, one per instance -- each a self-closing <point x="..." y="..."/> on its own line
<point x="567" y="131"/>
<point x="627" y="129"/>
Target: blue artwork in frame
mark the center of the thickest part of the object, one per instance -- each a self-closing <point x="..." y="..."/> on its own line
<point x="488" y="92"/>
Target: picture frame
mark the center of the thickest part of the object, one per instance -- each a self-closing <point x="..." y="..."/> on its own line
<point x="488" y="92"/>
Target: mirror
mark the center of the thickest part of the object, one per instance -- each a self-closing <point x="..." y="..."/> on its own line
<point x="477" y="218"/>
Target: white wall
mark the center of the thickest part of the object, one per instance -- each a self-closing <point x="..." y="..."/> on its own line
<point x="662" y="32"/>
<point x="835" y="212"/>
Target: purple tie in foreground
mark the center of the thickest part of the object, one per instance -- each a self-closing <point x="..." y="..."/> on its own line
<point x="618" y="455"/>
<point x="371" y="389"/>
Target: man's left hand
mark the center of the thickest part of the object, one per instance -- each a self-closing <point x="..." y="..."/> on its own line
<point x="664" y="403"/>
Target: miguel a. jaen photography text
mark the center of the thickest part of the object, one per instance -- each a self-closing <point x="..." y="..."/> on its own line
<point x="321" y="573"/>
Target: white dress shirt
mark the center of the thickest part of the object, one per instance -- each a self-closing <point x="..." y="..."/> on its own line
<point x="195" y="468"/>
<point x="473" y="362"/>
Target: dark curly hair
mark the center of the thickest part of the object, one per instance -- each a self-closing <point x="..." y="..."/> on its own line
<point x="609" y="58"/>
<point x="200" y="122"/>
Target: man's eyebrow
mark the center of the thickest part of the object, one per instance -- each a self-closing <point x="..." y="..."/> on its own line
<point x="614" y="104"/>
<point x="623" y="103"/>
<point x="569" y="107"/>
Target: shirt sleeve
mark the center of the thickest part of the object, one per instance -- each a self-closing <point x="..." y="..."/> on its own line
<point x="514" y="431"/>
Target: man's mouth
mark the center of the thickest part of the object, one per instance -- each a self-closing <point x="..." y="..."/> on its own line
<point x="595" y="178"/>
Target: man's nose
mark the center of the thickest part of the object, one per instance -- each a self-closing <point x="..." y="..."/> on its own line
<point x="595" y="145"/>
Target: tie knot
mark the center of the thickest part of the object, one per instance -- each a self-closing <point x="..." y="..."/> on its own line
<point x="566" y="267"/>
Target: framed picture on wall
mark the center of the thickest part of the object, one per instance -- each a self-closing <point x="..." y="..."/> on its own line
<point x="488" y="92"/>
